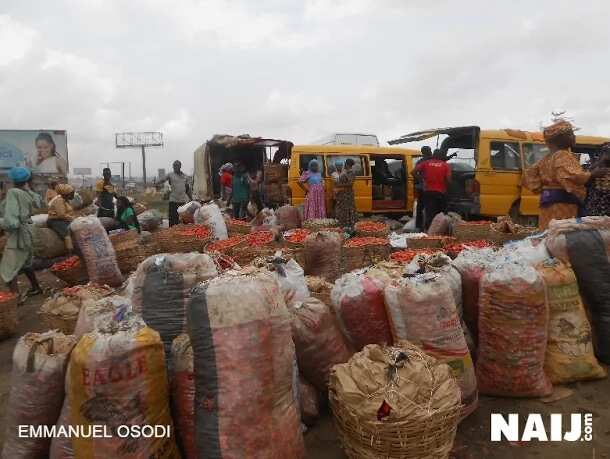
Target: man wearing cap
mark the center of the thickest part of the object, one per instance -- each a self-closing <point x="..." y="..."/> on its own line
<point x="61" y="214"/>
<point x="19" y="250"/>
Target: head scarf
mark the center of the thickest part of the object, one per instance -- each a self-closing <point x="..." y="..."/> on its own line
<point x="557" y="130"/>
<point x="313" y="164"/>
<point x="64" y="189"/>
<point x="20" y="174"/>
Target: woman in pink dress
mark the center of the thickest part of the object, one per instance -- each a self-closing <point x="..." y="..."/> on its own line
<point x="312" y="183"/>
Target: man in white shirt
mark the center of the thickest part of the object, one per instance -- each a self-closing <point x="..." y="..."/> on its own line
<point x="180" y="193"/>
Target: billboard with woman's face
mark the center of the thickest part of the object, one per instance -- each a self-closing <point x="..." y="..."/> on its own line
<point x="43" y="151"/>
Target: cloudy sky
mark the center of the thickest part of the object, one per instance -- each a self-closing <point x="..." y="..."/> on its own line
<point x="296" y="70"/>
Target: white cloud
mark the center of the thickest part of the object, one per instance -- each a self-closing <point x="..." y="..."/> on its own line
<point x="16" y="39"/>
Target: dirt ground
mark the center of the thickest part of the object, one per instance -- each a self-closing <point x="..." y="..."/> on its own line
<point x="472" y="441"/>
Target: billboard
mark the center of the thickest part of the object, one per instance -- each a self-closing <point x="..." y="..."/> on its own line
<point x="43" y="151"/>
<point x="82" y="171"/>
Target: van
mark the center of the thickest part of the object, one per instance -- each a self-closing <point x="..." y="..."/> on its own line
<point x="382" y="185"/>
<point x="487" y="167"/>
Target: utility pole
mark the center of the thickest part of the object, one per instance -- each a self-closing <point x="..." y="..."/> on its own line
<point x="144" y="165"/>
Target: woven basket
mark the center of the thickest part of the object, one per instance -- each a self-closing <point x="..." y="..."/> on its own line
<point x="55" y="322"/>
<point x="73" y="276"/>
<point x="8" y="315"/>
<point x="431" y="438"/>
<point x="125" y="240"/>
<point x="129" y="259"/>
<point x="361" y="233"/>
<point x="330" y="225"/>
<point x="238" y="229"/>
<point x="237" y="241"/>
<point x="500" y="238"/>
<point x="465" y="231"/>
<point x="361" y="257"/>
<point x="245" y="254"/>
<point x="171" y="241"/>
<point x="429" y="242"/>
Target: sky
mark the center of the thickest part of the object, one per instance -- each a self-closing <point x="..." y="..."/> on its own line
<point x="295" y="70"/>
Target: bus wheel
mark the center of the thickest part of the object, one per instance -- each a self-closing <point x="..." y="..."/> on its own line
<point x="520" y="219"/>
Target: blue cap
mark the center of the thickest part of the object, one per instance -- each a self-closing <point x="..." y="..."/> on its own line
<point x="19" y="174"/>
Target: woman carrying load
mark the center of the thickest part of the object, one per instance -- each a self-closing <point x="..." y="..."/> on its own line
<point x="345" y="208"/>
<point x="558" y="177"/>
<point x="19" y="249"/>
<point x="315" y="200"/>
<point x="61" y="214"/>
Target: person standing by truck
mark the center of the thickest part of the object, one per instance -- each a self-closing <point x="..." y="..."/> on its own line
<point x="436" y="175"/>
<point x="105" y="194"/>
<point x="180" y="193"/>
<point x="426" y="155"/>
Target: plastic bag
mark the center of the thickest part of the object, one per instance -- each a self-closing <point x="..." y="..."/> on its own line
<point x="513" y="324"/>
<point x="239" y="328"/>
<point x="117" y="377"/>
<point x="150" y="220"/>
<point x="531" y="251"/>
<point x="359" y="306"/>
<point x="210" y="216"/>
<point x="97" y="250"/>
<point x="569" y="354"/>
<point x="40" y="220"/>
<point x="183" y="395"/>
<point x="291" y="278"/>
<point x="162" y="290"/>
<point x="440" y="226"/>
<point x="309" y="403"/>
<point x="422" y="310"/>
<point x="288" y="217"/>
<point x="189" y="208"/>
<point x="322" y="253"/>
<point x="37" y="391"/>
<point x="318" y="341"/>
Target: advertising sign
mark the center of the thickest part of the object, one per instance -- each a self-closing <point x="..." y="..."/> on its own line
<point x="82" y="171"/>
<point x="43" y="151"/>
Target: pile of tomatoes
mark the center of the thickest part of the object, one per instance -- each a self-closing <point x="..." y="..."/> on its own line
<point x="365" y="241"/>
<point x="371" y="227"/>
<point x="260" y="238"/>
<point x="405" y="256"/>
<point x="297" y="236"/>
<point x="196" y="231"/>
<point x="238" y="222"/>
<point x="455" y="249"/>
<point x="221" y="246"/>
<point x="67" y="264"/>
<point x="6" y="296"/>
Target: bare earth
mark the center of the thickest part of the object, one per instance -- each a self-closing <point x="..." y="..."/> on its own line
<point x="472" y="441"/>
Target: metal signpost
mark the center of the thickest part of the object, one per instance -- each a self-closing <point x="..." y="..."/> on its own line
<point x="141" y="140"/>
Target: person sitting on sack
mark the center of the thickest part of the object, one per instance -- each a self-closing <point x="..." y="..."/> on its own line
<point x="126" y="215"/>
<point x="19" y="249"/>
<point x="61" y="214"/>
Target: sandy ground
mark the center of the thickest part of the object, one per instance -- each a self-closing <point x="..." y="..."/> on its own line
<point x="472" y="441"/>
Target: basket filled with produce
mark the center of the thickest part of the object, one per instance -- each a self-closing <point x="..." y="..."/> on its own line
<point x="372" y="229"/>
<point x="405" y="256"/>
<point x="453" y="250"/>
<point x="8" y="314"/>
<point x="359" y="252"/>
<point x="295" y="239"/>
<point x="505" y="230"/>
<point x="183" y="238"/>
<point x="226" y="246"/>
<point x="235" y="226"/>
<point x="129" y="252"/>
<point x="71" y="270"/>
<point x="471" y="231"/>
<point x="430" y="242"/>
<point x="257" y="244"/>
<point x="322" y="224"/>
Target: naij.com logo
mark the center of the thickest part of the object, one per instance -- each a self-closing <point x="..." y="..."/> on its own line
<point x="510" y="427"/>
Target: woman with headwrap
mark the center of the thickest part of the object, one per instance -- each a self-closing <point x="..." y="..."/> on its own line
<point x="598" y="197"/>
<point x="61" y="214"/>
<point x="315" y="200"/>
<point x="18" y="252"/>
<point x="345" y="208"/>
<point x="558" y="177"/>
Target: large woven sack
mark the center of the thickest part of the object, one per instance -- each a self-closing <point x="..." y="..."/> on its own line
<point x="210" y="216"/>
<point x="513" y="332"/>
<point x="182" y="382"/>
<point x="440" y="226"/>
<point x="47" y="244"/>
<point x="117" y="377"/>
<point x="422" y="310"/>
<point x="37" y="391"/>
<point x="569" y="354"/>
<point x="92" y="311"/>
<point x="359" y="306"/>
<point x="395" y="402"/>
<point x="322" y="254"/>
<point x="309" y="402"/>
<point x="162" y="289"/>
<point x="318" y="341"/>
<point x="244" y="358"/>
<point x="98" y="253"/>
<point x="288" y="217"/>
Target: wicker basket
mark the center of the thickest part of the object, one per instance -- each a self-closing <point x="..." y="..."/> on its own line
<point x="500" y="238"/>
<point x="238" y="228"/>
<point x="129" y="259"/>
<point x="361" y="257"/>
<point x="245" y="254"/>
<point x="436" y="242"/>
<point x="330" y="225"/>
<point x="236" y="242"/>
<point x="8" y="315"/>
<point x="171" y="241"/>
<point x="432" y="438"/>
<point x="73" y="276"/>
<point x="362" y="233"/>
<point x="124" y="240"/>
<point x="275" y="172"/>
<point x="465" y="231"/>
<point x="55" y="322"/>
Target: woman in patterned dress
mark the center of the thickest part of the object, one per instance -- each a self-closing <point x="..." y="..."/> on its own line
<point x="558" y="177"/>
<point x="345" y="207"/>
<point x="315" y="201"/>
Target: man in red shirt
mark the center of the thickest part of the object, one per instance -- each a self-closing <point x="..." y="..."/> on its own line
<point x="436" y="175"/>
